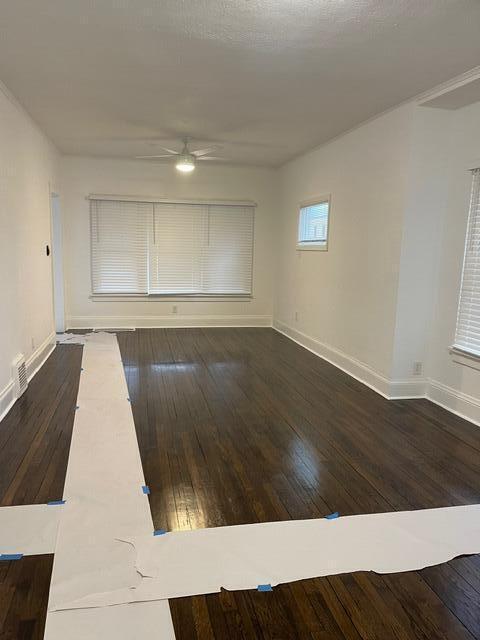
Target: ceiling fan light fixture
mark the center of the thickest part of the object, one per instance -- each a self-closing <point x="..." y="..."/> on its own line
<point x="185" y="163"/>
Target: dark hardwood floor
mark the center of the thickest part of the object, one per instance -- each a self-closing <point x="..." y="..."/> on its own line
<point x="24" y="586"/>
<point x="34" y="444"/>
<point x="243" y="425"/>
<point x="35" y="435"/>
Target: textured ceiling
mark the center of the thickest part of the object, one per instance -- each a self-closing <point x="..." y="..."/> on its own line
<point x="267" y="79"/>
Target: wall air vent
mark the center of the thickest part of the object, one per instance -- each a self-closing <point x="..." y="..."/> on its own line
<point x="20" y="375"/>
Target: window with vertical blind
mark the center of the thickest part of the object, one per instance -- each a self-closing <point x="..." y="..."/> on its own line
<point x="169" y="248"/>
<point x="313" y="225"/>
<point x="467" y="335"/>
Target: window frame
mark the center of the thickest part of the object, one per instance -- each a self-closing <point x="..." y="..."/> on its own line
<point x="459" y="353"/>
<point x="314" y="245"/>
<point x="171" y="296"/>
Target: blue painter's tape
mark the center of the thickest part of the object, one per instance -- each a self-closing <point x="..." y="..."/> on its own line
<point x="11" y="556"/>
<point x="332" y="516"/>
<point x="53" y="503"/>
<point x="160" y="532"/>
<point x="264" y="587"/>
<point x="146" y="490"/>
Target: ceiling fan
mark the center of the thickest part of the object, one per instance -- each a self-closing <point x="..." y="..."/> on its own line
<point x="185" y="159"/>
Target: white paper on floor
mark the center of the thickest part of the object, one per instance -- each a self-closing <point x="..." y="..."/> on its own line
<point x="140" y="621"/>
<point x="104" y="500"/>
<point x="29" y="530"/>
<point x="106" y="552"/>
<point x="70" y="338"/>
<point x="242" y="557"/>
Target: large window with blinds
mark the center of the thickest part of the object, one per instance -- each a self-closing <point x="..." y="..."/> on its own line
<point x="171" y="248"/>
<point x="467" y="335"/>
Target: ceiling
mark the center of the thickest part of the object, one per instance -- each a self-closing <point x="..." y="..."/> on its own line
<point x="267" y="79"/>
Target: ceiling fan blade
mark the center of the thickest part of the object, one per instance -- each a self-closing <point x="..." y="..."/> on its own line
<point x="167" y="155"/>
<point x="172" y="151"/>
<point x="203" y="152"/>
<point x="210" y="158"/>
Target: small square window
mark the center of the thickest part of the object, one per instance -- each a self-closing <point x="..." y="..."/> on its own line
<point x="313" y="225"/>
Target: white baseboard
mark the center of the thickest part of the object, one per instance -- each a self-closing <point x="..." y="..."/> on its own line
<point x="38" y="357"/>
<point x="33" y="364"/>
<point x="408" y="389"/>
<point x="358" y="370"/>
<point x="456" y="402"/>
<point x="7" y="399"/>
<point x="159" y="322"/>
<point x="461" y="404"/>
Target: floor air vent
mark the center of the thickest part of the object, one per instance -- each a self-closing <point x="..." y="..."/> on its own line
<point x="20" y="375"/>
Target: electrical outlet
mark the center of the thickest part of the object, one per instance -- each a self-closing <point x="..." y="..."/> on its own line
<point x="417" y="368"/>
<point x="174" y="309"/>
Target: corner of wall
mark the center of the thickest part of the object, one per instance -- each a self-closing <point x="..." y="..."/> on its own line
<point x="358" y="370"/>
<point x="461" y="404"/>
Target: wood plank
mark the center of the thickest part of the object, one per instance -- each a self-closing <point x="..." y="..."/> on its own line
<point x="34" y="444"/>
<point x="243" y="425"/>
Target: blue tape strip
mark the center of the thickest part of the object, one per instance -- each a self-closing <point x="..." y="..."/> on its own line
<point x="160" y="532"/>
<point x="53" y="503"/>
<point x="332" y="516"/>
<point x="146" y="490"/>
<point x="264" y="587"/>
<point x="11" y="556"/>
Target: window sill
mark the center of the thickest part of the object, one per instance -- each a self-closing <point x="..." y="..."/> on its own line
<point x="170" y="298"/>
<point x="463" y="357"/>
<point x="312" y="247"/>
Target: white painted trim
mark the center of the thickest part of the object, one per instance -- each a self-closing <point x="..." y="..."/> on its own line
<point x="153" y="199"/>
<point x="153" y="322"/>
<point x="21" y="109"/>
<point x="140" y="297"/>
<point x="39" y="356"/>
<point x="7" y="399"/>
<point x="461" y="404"/>
<point x="472" y="74"/>
<point x="33" y="364"/>
<point x="358" y="370"/>
<point x="408" y="389"/>
<point x="465" y="358"/>
<point x="313" y="246"/>
<point x="449" y="86"/>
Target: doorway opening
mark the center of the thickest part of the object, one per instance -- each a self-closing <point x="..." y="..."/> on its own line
<point x="57" y="264"/>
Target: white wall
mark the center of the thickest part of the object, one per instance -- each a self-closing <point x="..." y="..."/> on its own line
<point x="346" y="297"/>
<point x="28" y="172"/>
<point x="82" y="176"/>
<point x="385" y="294"/>
<point x="455" y="385"/>
<point x="426" y="203"/>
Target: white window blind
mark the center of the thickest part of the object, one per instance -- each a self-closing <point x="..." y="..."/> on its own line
<point x="176" y="248"/>
<point x="313" y="224"/>
<point x="467" y="336"/>
<point x="119" y="246"/>
<point x="228" y="250"/>
<point x="171" y="248"/>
